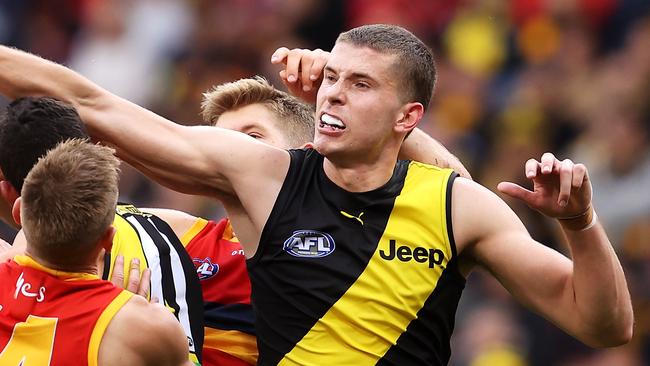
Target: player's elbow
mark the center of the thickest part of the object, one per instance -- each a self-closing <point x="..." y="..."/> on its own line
<point x="613" y="335"/>
<point x="622" y="335"/>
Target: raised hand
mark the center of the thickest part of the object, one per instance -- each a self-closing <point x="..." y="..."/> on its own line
<point x="303" y="70"/>
<point x="561" y="189"/>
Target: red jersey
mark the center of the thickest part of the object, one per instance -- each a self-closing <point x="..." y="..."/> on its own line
<point x="221" y="266"/>
<point x="49" y="317"/>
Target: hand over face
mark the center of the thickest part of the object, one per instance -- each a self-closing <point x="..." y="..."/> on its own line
<point x="303" y="70"/>
<point x="561" y="189"/>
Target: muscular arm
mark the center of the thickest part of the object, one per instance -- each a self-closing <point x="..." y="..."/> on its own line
<point x="586" y="295"/>
<point x="196" y="160"/>
<point x="421" y="147"/>
<point x="144" y="334"/>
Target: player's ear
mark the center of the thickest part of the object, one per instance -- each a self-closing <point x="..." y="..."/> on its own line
<point x="410" y="116"/>
<point x="15" y="211"/>
<point x="107" y="238"/>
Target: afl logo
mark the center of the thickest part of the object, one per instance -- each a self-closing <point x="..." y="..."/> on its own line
<point x="309" y="244"/>
<point x="205" y="268"/>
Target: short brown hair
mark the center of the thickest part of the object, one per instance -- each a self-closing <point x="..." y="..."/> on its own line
<point x="68" y="201"/>
<point x="297" y="117"/>
<point x="414" y="62"/>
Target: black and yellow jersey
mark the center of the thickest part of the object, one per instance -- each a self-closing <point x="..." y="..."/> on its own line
<point x="368" y="278"/>
<point x="173" y="276"/>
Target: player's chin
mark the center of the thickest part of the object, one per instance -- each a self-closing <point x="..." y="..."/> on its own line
<point x="323" y="145"/>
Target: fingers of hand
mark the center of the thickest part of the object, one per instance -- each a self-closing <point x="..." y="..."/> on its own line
<point x="318" y="64"/>
<point x="531" y="168"/>
<point x="293" y="60"/>
<point x="283" y="76"/>
<point x="306" y="65"/>
<point x="134" y="276"/>
<point x="579" y="175"/>
<point x="145" y="283"/>
<point x="279" y="55"/>
<point x="118" y="272"/>
<point x="566" y="181"/>
<point x="515" y="191"/>
<point x="548" y="163"/>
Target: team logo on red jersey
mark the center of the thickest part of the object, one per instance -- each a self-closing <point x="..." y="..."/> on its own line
<point x="205" y="268"/>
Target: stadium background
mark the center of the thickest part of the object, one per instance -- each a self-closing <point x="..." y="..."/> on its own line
<point x="516" y="78"/>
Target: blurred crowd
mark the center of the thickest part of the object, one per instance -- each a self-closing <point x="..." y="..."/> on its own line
<point x="516" y="78"/>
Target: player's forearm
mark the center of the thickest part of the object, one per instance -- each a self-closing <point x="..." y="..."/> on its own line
<point x="421" y="147"/>
<point x="23" y="74"/>
<point x="600" y="290"/>
<point x="177" y="167"/>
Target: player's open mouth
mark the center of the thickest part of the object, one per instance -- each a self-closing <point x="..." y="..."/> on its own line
<point x="331" y="122"/>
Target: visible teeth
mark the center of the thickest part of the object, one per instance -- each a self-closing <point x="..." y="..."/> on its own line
<point x="326" y="118"/>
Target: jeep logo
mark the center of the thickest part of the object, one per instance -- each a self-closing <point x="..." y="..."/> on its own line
<point x="309" y="244"/>
<point x="418" y="254"/>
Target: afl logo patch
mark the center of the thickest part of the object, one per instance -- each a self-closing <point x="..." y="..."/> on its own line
<point x="205" y="268"/>
<point x="309" y="244"/>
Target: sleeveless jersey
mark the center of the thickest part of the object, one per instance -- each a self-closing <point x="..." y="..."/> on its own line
<point x="221" y="266"/>
<point x="368" y="278"/>
<point x="50" y="317"/>
<point x="173" y="279"/>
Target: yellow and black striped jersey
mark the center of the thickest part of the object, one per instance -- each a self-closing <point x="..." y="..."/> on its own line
<point x="367" y="278"/>
<point x="173" y="276"/>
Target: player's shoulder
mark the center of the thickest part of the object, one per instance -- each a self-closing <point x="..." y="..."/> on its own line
<point x="146" y="332"/>
<point x="139" y="313"/>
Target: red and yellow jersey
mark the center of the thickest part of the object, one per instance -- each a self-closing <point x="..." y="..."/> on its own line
<point x="49" y="317"/>
<point x="221" y="266"/>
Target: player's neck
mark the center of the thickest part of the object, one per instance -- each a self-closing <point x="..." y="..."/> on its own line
<point x="360" y="177"/>
<point x="89" y="268"/>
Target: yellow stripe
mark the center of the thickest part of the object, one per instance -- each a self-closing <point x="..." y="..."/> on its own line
<point x="229" y="234"/>
<point x="127" y="244"/>
<point x="27" y="261"/>
<point x="102" y="323"/>
<point x="194" y="359"/>
<point x="232" y="342"/>
<point x="193" y="231"/>
<point x="369" y="318"/>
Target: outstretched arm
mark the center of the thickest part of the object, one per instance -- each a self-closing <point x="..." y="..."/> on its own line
<point x="197" y="160"/>
<point x="586" y="295"/>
